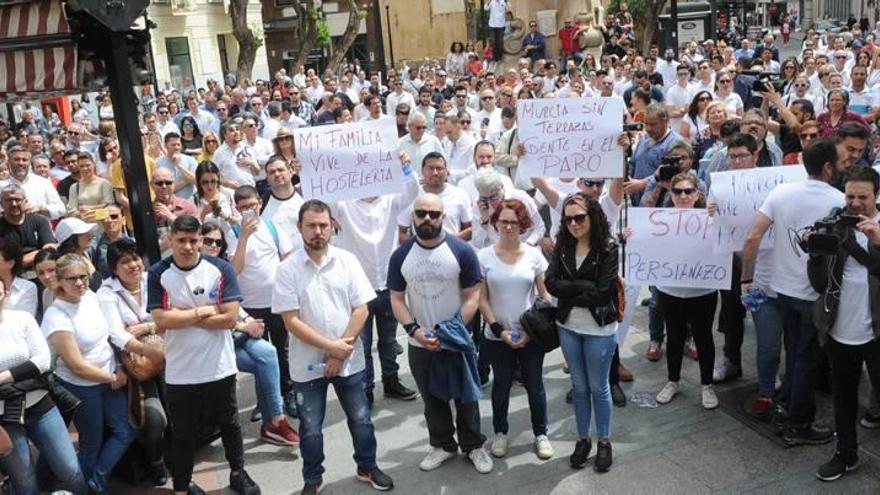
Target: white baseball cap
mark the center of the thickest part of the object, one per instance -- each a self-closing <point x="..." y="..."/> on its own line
<point x="72" y="226"/>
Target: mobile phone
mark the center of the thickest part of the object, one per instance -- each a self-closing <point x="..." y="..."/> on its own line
<point x="485" y="122"/>
<point x="248" y="215"/>
<point x="100" y="214"/>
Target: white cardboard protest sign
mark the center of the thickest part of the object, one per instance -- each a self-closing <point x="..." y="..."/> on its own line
<point x="349" y="161"/>
<point x="673" y="247"/>
<point x="739" y="194"/>
<point x="571" y="137"/>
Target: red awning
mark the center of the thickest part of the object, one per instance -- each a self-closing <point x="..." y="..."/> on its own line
<point x="37" y="54"/>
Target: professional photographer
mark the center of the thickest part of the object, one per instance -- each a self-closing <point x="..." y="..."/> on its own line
<point x="845" y="269"/>
<point x="650" y="151"/>
<point x="787" y="211"/>
<point x="679" y="160"/>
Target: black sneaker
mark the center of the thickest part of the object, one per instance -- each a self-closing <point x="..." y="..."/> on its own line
<point x="779" y="419"/>
<point x="581" y="452"/>
<point x="568" y="396"/>
<point x="311" y="489"/>
<point x="194" y="489"/>
<point x="243" y="484"/>
<point x="256" y="415"/>
<point x="484" y="380"/>
<point x="398" y="349"/>
<point x="836" y="467"/>
<point x="603" y="457"/>
<point x="869" y="421"/>
<point x="395" y="390"/>
<point x="808" y="435"/>
<point x="377" y="478"/>
<point x="618" y="397"/>
<point x="157" y="473"/>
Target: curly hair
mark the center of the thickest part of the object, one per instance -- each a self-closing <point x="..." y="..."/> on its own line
<point x="600" y="231"/>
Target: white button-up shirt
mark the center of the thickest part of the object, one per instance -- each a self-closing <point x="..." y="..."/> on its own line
<point x="39" y="191"/>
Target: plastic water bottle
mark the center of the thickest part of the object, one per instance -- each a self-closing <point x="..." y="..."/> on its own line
<point x="429" y="334"/>
<point x="514" y="335"/>
<point x="316" y="366"/>
<point x="753" y="298"/>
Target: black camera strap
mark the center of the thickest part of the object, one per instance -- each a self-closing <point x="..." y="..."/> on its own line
<point x="856" y="251"/>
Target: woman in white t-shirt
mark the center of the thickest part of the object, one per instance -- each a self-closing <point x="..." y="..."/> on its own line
<point x="513" y="275"/>
<point x="217" y="203"/>
<point x="44" y="265"/>
<point x="724" y="92"/>
<point x="81" y="336"/>
<point x="582" y="275"/>
<point x="688" y="309"/>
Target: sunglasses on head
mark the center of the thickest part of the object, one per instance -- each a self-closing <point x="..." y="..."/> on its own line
<point x="687" y="191"/>
<point x="434" y="214"/>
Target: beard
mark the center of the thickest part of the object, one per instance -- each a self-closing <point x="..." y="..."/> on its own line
<point x="315" y="243"/>
<point x="428" y="231"/>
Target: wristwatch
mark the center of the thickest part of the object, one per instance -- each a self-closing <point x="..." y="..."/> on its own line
<point x="410" y="328"/>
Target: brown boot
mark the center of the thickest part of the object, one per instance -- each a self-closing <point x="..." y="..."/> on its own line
<point x="624" y="374"/>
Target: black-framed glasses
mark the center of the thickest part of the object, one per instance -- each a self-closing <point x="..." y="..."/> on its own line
<point x="508" y="223"/>
<point x="684" y="191"/>
<point x="76" y="278"/>
<point x="434" y="214"/>
<point x="579" y="219"/>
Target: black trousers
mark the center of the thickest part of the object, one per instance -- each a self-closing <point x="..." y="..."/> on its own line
<point x="731" y="318"/>
<point x="193" y="407"/>
<point x="497" y="43"/>
<point x="696" y="314"/>
<point x="846" y="370"/>
<point x="277" y="334"/>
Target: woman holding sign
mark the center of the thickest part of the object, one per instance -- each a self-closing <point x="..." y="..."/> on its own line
<point x="688" y="308"/>
<point x="583" y="276"/>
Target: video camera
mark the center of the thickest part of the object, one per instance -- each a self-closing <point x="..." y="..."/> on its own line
<point x="827" y="234"/>
<point x="764" y="78"/>
<point x="669" y="167"/>
<point x="633" y="127"/>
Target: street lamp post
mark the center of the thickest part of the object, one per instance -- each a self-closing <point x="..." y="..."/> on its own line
<point x="388" y="25"/>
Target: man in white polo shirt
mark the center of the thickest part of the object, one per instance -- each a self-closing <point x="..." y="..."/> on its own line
<point x="195" y="299"/>
<point x="322" y="294"/>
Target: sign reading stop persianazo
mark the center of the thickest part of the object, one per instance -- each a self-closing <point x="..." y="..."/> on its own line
<point x="571" y="137"/>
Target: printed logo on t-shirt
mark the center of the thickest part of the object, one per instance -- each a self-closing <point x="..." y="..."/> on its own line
<point x="198" y="291"/>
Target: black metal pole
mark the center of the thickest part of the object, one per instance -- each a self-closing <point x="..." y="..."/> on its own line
<point x="153" y="77"/>
<point x="130" y="145"/>
<point x="380" y="43"/>
<point x="713" y="24"/>
<point x="673" y="20"/>
<point x="390" y="41"/>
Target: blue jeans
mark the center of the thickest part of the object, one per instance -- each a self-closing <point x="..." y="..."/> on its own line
<point x="49" y="434"/>
<point x="103" y="410"/>
<point x="258" y="357"/>
<point x="655" y="317"/>
<point x="589" y="360"/>
<point x="531" y="361"/>
<point x="768" y="330"/>
<point x="312" y="403"/>
<point x="386" y="328"/>
<point x="801" y="359"/>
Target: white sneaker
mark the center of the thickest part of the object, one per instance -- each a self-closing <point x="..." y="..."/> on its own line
<point x="710" y="400"/>
<point x="668" y="392"/>
<point x="499" y="445"/>
<point x="435" y="458"/>
<point x="481" y="460"/>
<point x="543" y="447"/>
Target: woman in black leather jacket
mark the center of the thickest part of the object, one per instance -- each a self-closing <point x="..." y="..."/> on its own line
<point x="583" y="277"/>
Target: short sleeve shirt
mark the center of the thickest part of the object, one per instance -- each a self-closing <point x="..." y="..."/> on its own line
<point x="511" y="286"/>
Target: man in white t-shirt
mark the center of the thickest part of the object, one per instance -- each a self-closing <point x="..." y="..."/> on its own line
<point x="433" y="277"/>
<point x="458" y="145"/>
<point x="196" y="299"/>
<point x="236" y="161"/>
<point x="258" y="252"/>
<point x="181" y="166"/>
<point x="322" y="294"/>
<point x="851" y="322"/>
<point x="456" y="203"/>
<point x="281" y="206"/>
<point x="788" y="213"/>
<point x="678" y="97"/>
<point x="418" y="143"/>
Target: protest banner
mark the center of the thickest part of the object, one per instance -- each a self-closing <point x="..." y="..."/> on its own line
<point x="570" y="137"/>
<point x="739" y="194"/>
<point x="673" y="247"/>
<point x="349" y="161"/>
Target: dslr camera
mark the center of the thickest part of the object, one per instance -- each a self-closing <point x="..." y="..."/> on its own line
<point x="827" y="234"/>
<point x="762" y="79"/>
<point x="669" y="167"/>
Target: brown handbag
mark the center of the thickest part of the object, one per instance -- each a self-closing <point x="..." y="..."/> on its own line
<point x="142" y="368"/>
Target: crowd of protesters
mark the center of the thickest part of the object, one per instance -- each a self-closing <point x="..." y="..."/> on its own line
<point x="142" y="360"/>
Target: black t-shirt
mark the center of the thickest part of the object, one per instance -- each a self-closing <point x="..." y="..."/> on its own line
<point x="34" y="233"/>
<point x="63" y="187"/>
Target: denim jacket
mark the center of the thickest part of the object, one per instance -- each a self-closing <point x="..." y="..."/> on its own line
<point x="453" y="372"/>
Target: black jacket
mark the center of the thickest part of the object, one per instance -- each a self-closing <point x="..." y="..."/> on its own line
<point x="593" y="285"/>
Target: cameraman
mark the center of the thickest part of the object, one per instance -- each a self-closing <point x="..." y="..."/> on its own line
<point x="787" y="211"/>
<point x="679" y="159"/>
<point x="848" y="315"/>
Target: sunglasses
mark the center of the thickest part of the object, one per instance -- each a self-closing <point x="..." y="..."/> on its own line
<point x="211" y="242"/>
<point x="420" y="127"/>
<point x="212" y="182"/>
<point x="464" y="122"/>
<point x="487" y="98"/>
<point x="802" y="85"/>
<point x="579" y="219"/>
<point x="420" y="214"/>
<point x="687" y="191"/>
<point x="114" y="216"/>
<point x="163" y="183"/>
<point x="592" y="183"/>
